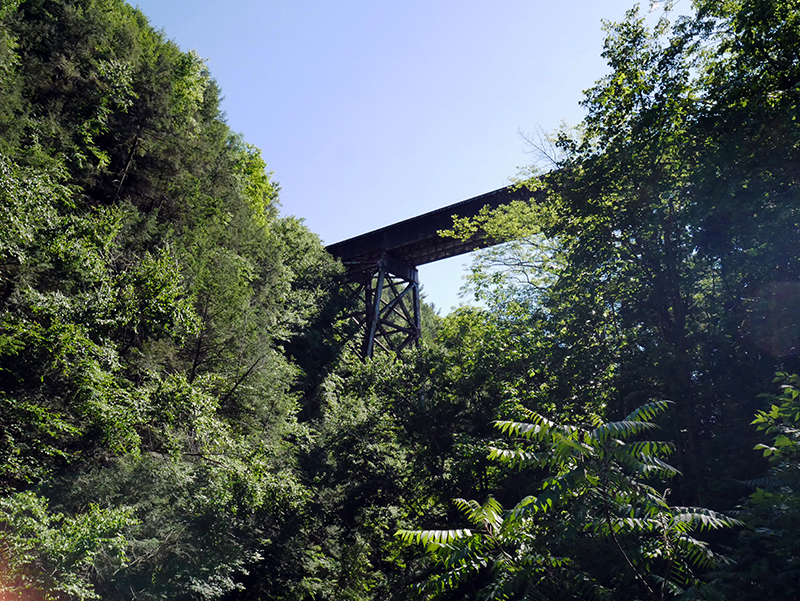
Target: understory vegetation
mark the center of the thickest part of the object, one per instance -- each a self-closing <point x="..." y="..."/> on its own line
<point x="184" y="416"/>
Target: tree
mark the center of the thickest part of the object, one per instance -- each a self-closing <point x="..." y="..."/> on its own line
<point x="658" y="256"/>
<point x="765" y="557"/>
<point x="148" y="286"/>
<point x="657" y="259"/>
<point x="594" y="501"/>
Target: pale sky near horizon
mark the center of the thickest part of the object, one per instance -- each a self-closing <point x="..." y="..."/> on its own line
<point x="371" y="112"/>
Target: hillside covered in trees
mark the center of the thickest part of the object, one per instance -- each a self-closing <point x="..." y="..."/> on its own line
<point x="182" y="417"/>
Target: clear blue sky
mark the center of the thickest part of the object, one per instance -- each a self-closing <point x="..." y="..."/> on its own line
<point x="373" y="111"/>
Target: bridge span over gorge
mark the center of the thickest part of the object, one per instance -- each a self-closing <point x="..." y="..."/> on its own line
<point x="381" y="266"/>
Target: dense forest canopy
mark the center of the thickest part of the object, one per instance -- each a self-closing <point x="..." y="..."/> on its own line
<point x="181" y="416"/>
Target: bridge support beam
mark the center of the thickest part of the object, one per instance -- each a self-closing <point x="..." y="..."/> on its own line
<point x="388" y="313"/>
<point x="382" y="265"/>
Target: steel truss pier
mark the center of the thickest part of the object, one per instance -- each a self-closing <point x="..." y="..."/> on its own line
<point x="381" y="268"/>
<point x="387" y="312"/>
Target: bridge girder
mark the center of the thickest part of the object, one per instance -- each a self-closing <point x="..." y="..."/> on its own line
<point x="381" y="267"/>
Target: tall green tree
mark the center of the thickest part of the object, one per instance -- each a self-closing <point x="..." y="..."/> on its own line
<point x="659" y="255"/>
<point x="656" y="261"/>
<point x="148" y="287"/>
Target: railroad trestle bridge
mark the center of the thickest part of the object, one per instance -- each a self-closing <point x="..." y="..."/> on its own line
<point x="381" y="268"/>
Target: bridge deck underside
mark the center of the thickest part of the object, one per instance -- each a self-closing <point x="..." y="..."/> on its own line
<point x="417" y="240"/>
